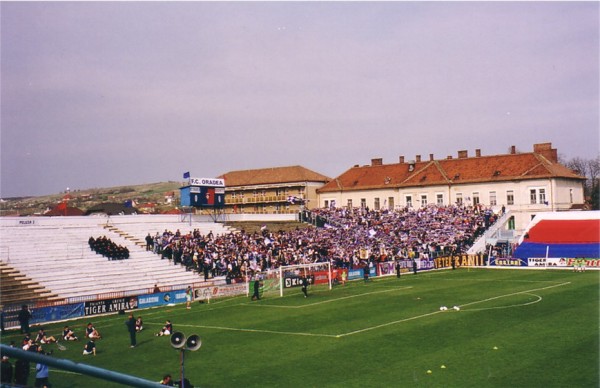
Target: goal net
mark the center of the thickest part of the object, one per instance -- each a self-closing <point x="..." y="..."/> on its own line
<point x="290" y="276"/>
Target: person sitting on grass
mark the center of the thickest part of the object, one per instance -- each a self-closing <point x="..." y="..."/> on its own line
<point x="91" y="332"/>
<point x="139" y="324"/>
<point x="41" y="338"/>
<point x="166" y="330"/>
<point x="68" y="334"/>
<point x="89" y="348"/>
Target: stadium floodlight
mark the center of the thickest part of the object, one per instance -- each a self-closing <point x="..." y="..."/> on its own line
<point x="179" y="341"/>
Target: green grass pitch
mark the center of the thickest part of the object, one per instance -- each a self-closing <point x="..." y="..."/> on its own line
<point x="515" y="328"/>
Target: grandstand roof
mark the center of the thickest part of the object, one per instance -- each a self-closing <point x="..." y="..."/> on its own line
<point x="541" y="163"/>
<point x="272" y="175"/>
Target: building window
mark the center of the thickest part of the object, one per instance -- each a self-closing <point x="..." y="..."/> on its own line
<point x="349" y="204"/>
<point x="376" y="204"/>
<point x="537" y="196"/>
<point x="332" y="204"/>
<point x="391" y="203"/>
<point x="571" y="195"/>
<point x="475" y="198"/>
<point x="233" y="195"/>
<point x="278" y="191"/>
<point x="301" y="190"/>
<point x="439" y="199"/>
<point x="532" y="197"/>
<point x="493" y="201"/>
<point x="363" y="203"/>
<point x="459" y="199"/>
<point x="326" y="203"/>
<point x="423" y="200"/>
<point x="510" y="197"/>
<point x="255" y="193"/>
<point x="408" y="201"/>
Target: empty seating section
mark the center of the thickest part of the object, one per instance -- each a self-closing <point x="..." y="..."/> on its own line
<point x="56" y="254"/>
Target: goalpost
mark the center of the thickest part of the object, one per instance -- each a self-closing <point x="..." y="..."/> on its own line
<point x="275" y="281"/>
<point x="290" y="276"/>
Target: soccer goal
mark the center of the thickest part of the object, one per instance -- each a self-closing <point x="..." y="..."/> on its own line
<point x="290" y="276"/>
<point x="276" y="281"/>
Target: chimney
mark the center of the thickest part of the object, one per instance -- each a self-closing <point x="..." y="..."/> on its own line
<point x="478" y="153"/>
<point x="377" y="162"/>
<point x="513" y="150"/>
<point x="463" y="154"/>
<point x="546" y="150"/>
<point x="418" y="158"/>
<point x="449" y="157"/>
<point x="431" y="157"/>
<point x="401" y="159"/>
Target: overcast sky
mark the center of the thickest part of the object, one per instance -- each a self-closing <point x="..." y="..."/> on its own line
<point x="117" y="93"/>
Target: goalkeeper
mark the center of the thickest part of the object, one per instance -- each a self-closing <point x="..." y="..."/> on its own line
<point x="305" y="286"/>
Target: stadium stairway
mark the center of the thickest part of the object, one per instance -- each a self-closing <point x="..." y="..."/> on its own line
<point x="16" y="288"/>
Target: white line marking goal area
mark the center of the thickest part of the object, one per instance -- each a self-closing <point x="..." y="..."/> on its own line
<point x="463" y="307"/>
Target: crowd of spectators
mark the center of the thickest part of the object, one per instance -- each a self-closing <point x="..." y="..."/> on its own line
<point x="349" y="238"/>
<point x="107" y="248"/>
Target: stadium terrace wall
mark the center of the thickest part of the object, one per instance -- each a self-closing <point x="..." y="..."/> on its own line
<point x="114" y="303"/>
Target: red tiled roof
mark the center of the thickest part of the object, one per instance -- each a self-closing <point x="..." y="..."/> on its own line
<point x="272" y="175"/>
<point x="478" y="169"/>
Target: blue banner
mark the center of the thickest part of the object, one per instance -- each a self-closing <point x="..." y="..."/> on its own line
<point x="161" y="299"/>
<point x="58" y="313"/>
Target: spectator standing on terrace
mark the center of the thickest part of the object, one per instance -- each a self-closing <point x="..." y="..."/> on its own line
<point x="24" y="317"/>
<point x="149" y="242"/>
<point x="130" y="323"/>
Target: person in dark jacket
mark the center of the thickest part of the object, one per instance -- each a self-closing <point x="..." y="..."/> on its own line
<point x="130" y="323"/>
<point x="24" y="317"/>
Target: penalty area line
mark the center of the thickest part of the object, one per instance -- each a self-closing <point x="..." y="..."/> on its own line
<point x="326" y="301"/>
<point x="528" y="292"/>
<point x="260" y="331"/>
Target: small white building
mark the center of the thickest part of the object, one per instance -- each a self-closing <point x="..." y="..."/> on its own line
<point x="522" y="183"/>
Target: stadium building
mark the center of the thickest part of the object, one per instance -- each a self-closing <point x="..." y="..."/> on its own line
<point x="276" y="190"/>
<point x="524" y="184"/>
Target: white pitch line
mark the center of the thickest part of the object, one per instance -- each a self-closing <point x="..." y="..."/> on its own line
<point x="516" y="293"/>
<point x="539" y="299"/>
<point x="371" y="327"/>
<point x="259" y="331"/>
<point x="437" y="312"/>
<point x="325" y="301"/>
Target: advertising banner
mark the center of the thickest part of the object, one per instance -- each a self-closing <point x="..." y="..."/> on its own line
<point x="508" y="262"/>
<point x="557" y="262"/>
<point x="58" y="313"/>
<point x="108" y="306"/>
<point x="161" y="298"/>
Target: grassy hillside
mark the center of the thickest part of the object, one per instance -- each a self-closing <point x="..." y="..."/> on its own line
<point x="84" y="199"/>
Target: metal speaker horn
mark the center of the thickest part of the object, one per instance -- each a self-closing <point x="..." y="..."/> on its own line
<point x="193" y="342"/>
<point x="177" y="340"/>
